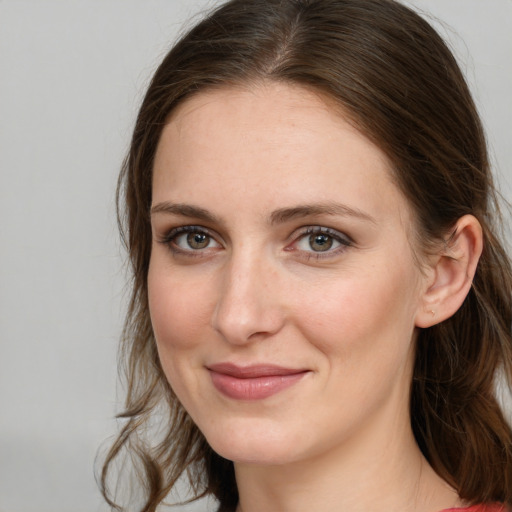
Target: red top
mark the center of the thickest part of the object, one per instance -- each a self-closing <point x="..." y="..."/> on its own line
<point x="496" y="507"/>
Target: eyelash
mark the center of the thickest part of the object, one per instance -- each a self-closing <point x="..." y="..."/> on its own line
<point x="170" y="238"/>
<point x="343" y="240"/>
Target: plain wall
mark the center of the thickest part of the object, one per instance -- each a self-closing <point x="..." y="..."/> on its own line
<point x="72" y="73"/>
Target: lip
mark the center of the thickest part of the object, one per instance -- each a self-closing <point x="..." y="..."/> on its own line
<point x="254" y="382"/>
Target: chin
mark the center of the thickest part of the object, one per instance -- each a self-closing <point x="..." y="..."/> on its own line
<point x="254" y="453"/>
<point x="257" y="444"/>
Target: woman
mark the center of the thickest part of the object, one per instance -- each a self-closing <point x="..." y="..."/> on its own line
<point x="321" y="303"/>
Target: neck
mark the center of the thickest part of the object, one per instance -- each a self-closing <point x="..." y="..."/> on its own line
<point x="373" y="472"/>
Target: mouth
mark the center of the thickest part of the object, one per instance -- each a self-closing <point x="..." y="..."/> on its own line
<point x="255" y="382"/>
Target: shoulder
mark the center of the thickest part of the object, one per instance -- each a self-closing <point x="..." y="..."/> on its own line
<point x="493" y="507"/>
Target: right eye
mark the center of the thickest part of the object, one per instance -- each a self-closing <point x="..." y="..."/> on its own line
<point x="189" y="239"/>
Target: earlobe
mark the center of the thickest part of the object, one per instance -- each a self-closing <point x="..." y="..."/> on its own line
<point x="452" y="273"/>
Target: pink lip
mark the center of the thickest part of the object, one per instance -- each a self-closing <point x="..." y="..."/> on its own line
<point x="253" y="382"/>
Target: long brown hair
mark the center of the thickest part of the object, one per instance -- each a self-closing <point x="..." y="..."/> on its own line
<point x="401" y="86"/>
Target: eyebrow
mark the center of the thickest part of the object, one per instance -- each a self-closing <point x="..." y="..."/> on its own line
<point x="279" y="216"/>
<point x="308" y="210"/>
<point x="185" y="210"/>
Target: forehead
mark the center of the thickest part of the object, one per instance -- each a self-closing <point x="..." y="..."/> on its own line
<point x="273" y="144"/>
<point x="279" y="108"/>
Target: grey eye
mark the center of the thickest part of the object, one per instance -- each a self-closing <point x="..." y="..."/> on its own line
<point x="198" y="240"/>
<point x="194" y="240"/>
<point x="320" y="242"/>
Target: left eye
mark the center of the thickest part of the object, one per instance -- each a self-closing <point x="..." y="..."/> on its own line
<point x="321" y="241"/>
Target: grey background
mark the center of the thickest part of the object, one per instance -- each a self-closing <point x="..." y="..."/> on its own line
<point x="72" y="73"/>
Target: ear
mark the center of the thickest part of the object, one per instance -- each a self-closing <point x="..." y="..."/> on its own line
<point x="451" y="273"/>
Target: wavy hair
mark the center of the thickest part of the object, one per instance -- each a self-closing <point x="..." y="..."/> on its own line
<point x="401" y="86"/>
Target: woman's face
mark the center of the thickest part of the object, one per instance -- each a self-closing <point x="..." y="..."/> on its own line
<point x="283" y="288"/>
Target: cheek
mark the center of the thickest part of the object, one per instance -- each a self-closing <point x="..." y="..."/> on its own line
<point x="364" y="328"/>
<point x="179" y="309"/>
<point x="361" y="315"/>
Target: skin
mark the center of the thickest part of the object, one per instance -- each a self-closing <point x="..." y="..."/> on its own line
<point x="259" y="292"/>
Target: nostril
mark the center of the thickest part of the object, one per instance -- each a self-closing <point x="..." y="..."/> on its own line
<point x="243" y="319"/>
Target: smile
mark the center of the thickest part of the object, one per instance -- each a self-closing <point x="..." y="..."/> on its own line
<point x="253" y="382"/>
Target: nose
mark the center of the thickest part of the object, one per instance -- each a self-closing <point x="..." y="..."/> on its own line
<point x="248" y="307"/>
